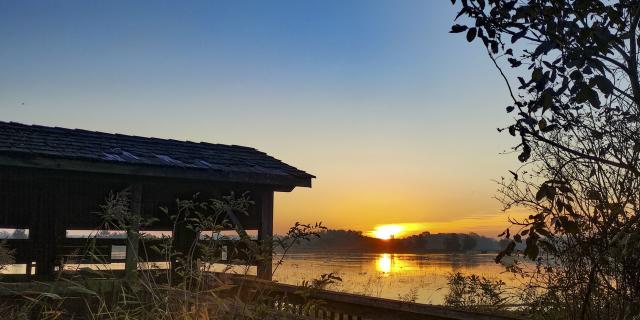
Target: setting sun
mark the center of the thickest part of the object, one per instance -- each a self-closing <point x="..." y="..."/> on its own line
<point x="397" y="230"/>
<point x="388" y="231"/>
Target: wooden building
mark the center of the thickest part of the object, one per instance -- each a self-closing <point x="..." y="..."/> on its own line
<point x="53" y="180"/>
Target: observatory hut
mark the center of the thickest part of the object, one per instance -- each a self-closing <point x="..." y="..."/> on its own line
<point x="53" y="180"/>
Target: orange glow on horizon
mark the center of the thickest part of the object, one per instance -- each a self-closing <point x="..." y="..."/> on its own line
<point x="387" y="231"/>
<point x="397" y="230"/>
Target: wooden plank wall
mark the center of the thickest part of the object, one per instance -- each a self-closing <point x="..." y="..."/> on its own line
<point x="49" y="202"/>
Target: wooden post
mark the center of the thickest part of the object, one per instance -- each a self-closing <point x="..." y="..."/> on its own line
<point x="133" y="234"/>
<point x="183" y="241"/>
<point x="265" y="233"/>
<point x="44" y="226"/>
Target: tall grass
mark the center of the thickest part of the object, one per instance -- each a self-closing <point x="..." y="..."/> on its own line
<point x="186" y="288"/>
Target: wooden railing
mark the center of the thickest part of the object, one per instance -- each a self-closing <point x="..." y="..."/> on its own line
<point x="290" y="302"/>
<point x="307" y="303"/>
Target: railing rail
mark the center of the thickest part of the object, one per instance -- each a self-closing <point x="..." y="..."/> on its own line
<point x="323" y="304"/>
<point x="292" y="302"/>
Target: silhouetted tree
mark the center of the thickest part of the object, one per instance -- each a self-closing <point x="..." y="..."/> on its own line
<point x="575" y="88"/>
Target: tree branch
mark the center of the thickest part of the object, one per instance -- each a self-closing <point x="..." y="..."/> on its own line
<point x="584" y="155"/>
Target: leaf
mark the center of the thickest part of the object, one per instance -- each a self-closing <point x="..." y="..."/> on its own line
<point x="605" y="85"/>
<point x="494" y="47"/>
<point x="457" y="28"/>
<point x="537" y="74"/>
<point x="517" y="238"/>
<point x="507" y="251"/>
<point x="525" y="154"/>
<point x="523" y="84"/>
<point x="50" y="295"/>
<point x="82" y="290"/>
<point x="510" y="108"/>
<point x="583" y="95"/>
<point x="594" y="195"/>
<point x="594" y="99"/>
<point x="518" y="35"/>
<point x="471" y="34"/>
<point x="514" y="62"/>
<point x="532" y="250"/>
<point x="547" y="99"/>
<point x="549" y="128"/>
<point x="542" y="192"/>
<point x="542" y="124"/>
<point x="544" y="48"/>
<point x="569" y="226"/>
<point x="576" y="75"/>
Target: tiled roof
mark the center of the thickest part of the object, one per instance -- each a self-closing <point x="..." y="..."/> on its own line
<point x="99" y="147"/>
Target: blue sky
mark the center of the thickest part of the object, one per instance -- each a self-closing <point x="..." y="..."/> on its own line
<point x="394" y="115"/>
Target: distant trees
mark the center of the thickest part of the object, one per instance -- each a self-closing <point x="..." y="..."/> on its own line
<point x="16" y="234"/>
<point x="336" y="240"/>
<point x="575" y="89"/>
<point x="452" y="243"/>
<point x="503" y="244"/>
<point x="468" y="242"/>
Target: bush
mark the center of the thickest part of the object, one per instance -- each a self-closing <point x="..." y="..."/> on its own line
<point x="475" y="293"/>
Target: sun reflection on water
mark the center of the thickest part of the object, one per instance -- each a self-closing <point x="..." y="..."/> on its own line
<point x="389" y="263"/>
<point x="384" y="263"/>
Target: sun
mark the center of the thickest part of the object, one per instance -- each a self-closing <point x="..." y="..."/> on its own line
<point x="387" y="231"/>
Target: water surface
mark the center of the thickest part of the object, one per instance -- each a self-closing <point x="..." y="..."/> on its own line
<point x="393" y="276"/>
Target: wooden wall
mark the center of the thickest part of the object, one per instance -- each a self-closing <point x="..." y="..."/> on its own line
<point x="49" y="202"/>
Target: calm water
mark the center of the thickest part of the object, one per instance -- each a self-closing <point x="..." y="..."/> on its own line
<point x="393" y="276"/>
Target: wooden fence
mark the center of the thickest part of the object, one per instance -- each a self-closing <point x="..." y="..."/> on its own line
<point x="306" y="303"/>
<point x="289" y="302"/>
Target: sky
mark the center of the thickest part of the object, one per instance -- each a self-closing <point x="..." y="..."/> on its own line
<point x="394" y="115"/>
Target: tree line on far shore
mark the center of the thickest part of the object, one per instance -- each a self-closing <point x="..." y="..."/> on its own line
<point x="350" y="240"/>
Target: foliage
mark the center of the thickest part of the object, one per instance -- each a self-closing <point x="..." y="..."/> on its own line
<point x="325" y="280"/>
<point x="410" y="296"/>
<point x="576" y="116"/>
<point x="295" y="236"/>
<point x="475" y="292"/>
<point x="186" y="288"/>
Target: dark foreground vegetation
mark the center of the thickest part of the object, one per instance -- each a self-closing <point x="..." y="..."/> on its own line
<point x="188" y="287"/>
<point x="571" y="70"/>
<point x="185" y="288"/>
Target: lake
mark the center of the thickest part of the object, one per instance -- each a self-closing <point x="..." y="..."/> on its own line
<point x="393" y="276"/>
<point x="385" y="275"/>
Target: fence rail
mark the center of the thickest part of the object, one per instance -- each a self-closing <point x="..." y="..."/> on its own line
<point x="323" y="304"/>
<point x="291" y="302"/>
